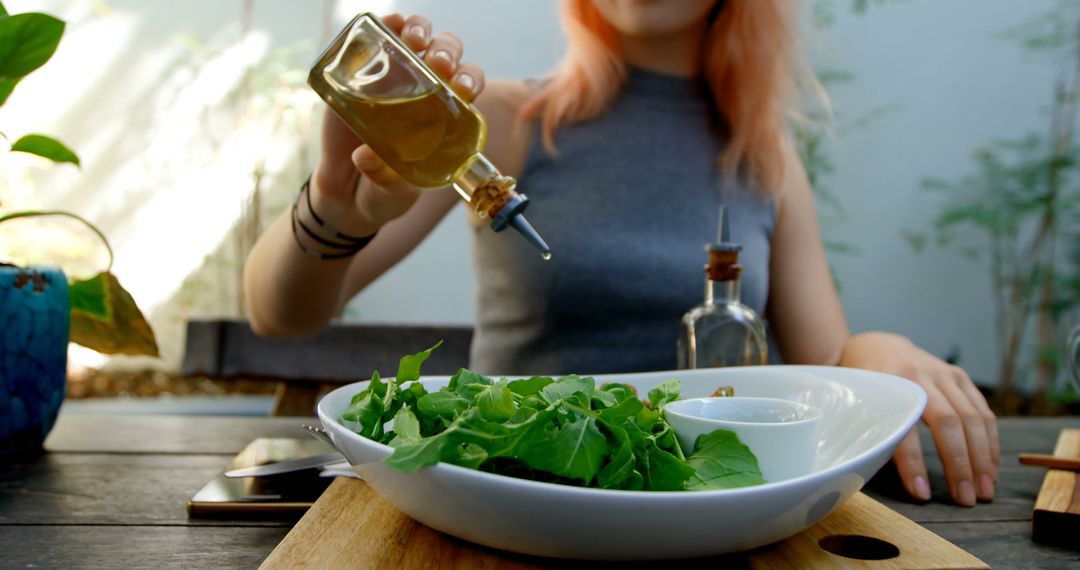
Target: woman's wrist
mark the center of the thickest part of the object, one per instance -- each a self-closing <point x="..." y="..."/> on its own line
<point x="317" y="236"/>
<point x="333" y="204"/>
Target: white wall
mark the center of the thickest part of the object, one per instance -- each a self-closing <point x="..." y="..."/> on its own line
<point x="958" y="85"/>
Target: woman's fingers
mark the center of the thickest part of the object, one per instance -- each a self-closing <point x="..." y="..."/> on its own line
<point x="975" y="432"/>
<point x="909" y="462"/>
<point x="468" y="81"/>
<point x="444" y="53"/>
<point x="989" y="419"/>
<point x="382" y="195"/>
<point x="948" y="431"/>
<point x="416" y="32"/>
<point x="374" y="169"/>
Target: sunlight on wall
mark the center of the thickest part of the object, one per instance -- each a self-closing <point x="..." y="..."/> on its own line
<point x="173" y="129"/>
<point x="200" y="197"/>
<point x="346" y="9"/>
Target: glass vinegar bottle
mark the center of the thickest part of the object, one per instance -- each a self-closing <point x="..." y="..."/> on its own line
<point x="415" y="122"/>
<point x="721" y="331"/>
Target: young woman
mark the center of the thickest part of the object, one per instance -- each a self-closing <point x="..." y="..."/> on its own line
<point x="661" y="112"/>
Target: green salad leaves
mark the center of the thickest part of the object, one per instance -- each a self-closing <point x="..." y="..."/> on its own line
<point x="564" y="430"/>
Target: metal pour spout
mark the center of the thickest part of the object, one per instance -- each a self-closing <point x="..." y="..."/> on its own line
<point x="493" y="196"/>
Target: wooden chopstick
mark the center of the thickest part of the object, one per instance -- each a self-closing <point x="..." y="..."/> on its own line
<point x="1051" y="461"/>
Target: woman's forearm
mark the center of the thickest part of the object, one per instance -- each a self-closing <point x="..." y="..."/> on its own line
<point x="287" y="292"/>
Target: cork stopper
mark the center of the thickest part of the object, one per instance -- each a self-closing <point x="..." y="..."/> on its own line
<point x="723" y="261"/>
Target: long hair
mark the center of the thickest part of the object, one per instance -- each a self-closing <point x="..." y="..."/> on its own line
<point x="749" y="62"/>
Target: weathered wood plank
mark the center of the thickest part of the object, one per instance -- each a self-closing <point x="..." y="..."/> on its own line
<point x="1014" y="495"/>
<point x="166" y="434"/>
<point x="63" y="488"/>
<point x="1031" y="434"/>
<point x="1006" y="544"/>
<point x="136" y="547"/>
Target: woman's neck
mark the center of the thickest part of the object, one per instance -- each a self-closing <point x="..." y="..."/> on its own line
<point x="674" y="54"/>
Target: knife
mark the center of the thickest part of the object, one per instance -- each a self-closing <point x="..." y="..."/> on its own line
<point x="288" y="466"/>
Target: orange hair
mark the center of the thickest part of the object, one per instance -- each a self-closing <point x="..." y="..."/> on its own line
<point x="748" y="62"/>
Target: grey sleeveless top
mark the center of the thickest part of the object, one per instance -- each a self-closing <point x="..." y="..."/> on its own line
<point x="627" y="207"/>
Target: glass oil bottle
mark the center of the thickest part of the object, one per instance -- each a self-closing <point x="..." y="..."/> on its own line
<point x="415" y="122"/>
<point x="721" y="331"/>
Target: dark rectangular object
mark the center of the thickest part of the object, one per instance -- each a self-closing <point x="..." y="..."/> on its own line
<point x="342" y="352"/>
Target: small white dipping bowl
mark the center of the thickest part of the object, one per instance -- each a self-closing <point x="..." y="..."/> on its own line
<point x="782" y="434"/>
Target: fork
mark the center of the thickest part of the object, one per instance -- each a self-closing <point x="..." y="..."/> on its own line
<point x="320" y="433"/>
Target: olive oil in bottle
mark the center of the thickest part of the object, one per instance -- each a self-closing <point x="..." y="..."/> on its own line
<point x="415" y="122"/>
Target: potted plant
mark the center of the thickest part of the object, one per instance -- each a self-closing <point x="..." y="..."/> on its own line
<point x="40" y="310"/>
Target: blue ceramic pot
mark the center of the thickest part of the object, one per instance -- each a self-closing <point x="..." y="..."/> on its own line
<point x="35" y="317"/>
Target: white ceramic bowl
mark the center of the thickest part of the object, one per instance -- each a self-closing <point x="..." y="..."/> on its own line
<point x="864" y="416"/>
<point x="782" y="434"/>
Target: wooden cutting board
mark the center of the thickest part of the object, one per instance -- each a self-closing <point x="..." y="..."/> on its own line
<point x="1056" y="519"/>
<point x="350" y="526"/>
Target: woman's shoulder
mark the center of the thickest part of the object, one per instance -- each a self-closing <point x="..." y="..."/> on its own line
<point x="504" y="99"/>
<point x="509" y="134"/>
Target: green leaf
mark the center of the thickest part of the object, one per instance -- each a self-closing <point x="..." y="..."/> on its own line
<point x="409" y="365"/>
<point x="447" y="405"/>
<point x="496" y="403"/>
<point x="27" y="41"/>
<point x="91" y="296"/>
<point x="622" y="411"/>
<point x="367" y="410"/>
<point x="566" y="387"/>
<point x="3" y="11"/>
<point x="120" y="329"/>
<point x="467" y="383"/>
<point x="662" y="471"/>
<point x="45" y="147"/>
<point x="6" y="87"/>
<point x="721" y="461"/>
<point x="406" y="428"/>
<point x="664" y="393"/>
<point x="619" y="469"/>
<point x="574" y="450"/>
<point x="529" y="387"/>
<point x="470" y="455"/>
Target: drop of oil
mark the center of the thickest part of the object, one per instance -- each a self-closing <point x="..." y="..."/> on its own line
<point x="546" y="255"/>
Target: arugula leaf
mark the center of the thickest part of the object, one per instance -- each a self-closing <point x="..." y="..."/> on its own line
<point x="529" y="387"/>
<point x="574" y="450"/>
<point x="367" y="409"/>
<point x="664" y="393"/>
<point x="567" y="387"/>
<point x="721" y="461"/>
<point x="620" y="467"/>
<point x="409" y="365"/>
<point x="406" y="428"/>
<point x="496" y="402"/>
<point x="445" y="405"/>
<point x="661" y="470"/>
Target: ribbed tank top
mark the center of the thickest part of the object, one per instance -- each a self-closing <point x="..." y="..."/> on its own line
<point x="627" y="207"/>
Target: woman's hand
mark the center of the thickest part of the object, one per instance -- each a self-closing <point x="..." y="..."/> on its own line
<point x="964" y="428"/>
<point x="351" y="187"/>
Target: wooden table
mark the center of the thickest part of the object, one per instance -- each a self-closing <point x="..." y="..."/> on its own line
<point x="112" y="492"/>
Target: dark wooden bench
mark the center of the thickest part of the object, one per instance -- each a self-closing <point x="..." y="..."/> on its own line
<point x="303" y="368"/>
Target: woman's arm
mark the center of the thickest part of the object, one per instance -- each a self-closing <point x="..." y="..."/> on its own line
<point x="803" y="308"/>
<point x="289" y="293"/>
<point x="810" y="328"/>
